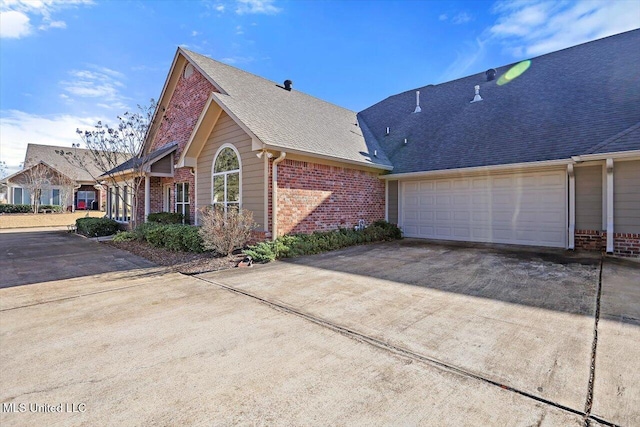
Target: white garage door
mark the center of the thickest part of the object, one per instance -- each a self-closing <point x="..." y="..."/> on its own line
<point x="519" y="208"/>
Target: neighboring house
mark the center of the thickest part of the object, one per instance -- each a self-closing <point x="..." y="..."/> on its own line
<point x="547" y="154"/>
<point x="63" y="184"/>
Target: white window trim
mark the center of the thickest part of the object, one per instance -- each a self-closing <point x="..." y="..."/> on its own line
<point x="239" y="171"/>
<point x="185" y="206"/>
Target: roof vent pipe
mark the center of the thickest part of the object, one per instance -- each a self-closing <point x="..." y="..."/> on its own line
<point x="491" y="74"/>
<point x="477" y="97"/>
<point x="388" y="130"/>
<point x="288" y="84"/>
<point x="405" y="141"/>
<point x="418" y="109"/>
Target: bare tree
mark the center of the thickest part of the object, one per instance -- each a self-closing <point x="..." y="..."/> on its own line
<point x="109" y="147"/>
<point x="37" y="179"/>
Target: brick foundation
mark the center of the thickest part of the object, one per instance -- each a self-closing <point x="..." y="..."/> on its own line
<point x="314" y="197"/>
<point x="624" y="244"/>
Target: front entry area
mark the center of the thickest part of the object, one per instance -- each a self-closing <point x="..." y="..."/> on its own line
<point x="524" y="208"/>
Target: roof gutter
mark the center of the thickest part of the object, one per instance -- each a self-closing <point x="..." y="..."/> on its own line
<point x="604" y="156"/>
<point x="326" y="157"/>
<point x="495" y="168"/>
<point x="274" y="195"/>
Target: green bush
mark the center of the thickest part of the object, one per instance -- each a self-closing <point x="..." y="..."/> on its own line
<point x="156" y="236"/>
<point x="294" y="245"/>
<point x="11" y="208"/>
<point x="191" y="239"/>
<point x="175" y="237"/>
<point x="96" y="227"/>
<point x="141" y="231"/>
<point x="124" y="236"/>
<point x="165" y="218"/>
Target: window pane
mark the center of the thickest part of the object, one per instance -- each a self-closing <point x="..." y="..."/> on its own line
<point x="56" y="197"/>
<point x="186" y="192"/>
<point x="218" y="188"/>
<point x="226" y="161"/>
<point x="233" y="187"/>
<point x="17" y="196"/>
<point x="179" y="193"/>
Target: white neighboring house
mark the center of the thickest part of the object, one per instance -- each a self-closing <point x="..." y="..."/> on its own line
<point x="63" y="185"/>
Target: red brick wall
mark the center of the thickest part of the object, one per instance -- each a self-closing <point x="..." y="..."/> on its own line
<point x="178" y="120"/>
<point x="314" y="197"/>
<point x="181" y="115"/>
<point x="624" y="244"/>
<point x="590" y="240"/>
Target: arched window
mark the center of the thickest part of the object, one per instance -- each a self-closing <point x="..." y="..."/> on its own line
<point x="226" y="179"/>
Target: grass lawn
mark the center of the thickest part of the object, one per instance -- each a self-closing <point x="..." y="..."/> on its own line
<point x="44" y="220"/>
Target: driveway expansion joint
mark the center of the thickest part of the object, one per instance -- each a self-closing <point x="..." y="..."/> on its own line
<point x="403" y="352"/>
<point x="592" y="369"/>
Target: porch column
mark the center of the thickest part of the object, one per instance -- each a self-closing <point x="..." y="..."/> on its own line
<point x="147" y="196"/>
<point x="610" y="206"/>
<point x="572" y="207"/>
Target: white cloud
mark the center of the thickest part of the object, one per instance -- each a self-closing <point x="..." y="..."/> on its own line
<point x="99" y="82"/>
<point x="256" y="6"/>
<point x="16" y="15"/>
<point x="18" y="128"/>
<point x="462" y="18"/>
<point x="14" y="25"/>
<point x="194" y="33"/>
<point x="443" y="17"/>
<point x="219" y="8"/>
<point x="239" y="30"/>
<point x="465" y="59"/>
<point x="531" y="28"/>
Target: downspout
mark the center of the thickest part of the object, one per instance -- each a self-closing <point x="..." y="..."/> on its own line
<point x="274" y="195"/>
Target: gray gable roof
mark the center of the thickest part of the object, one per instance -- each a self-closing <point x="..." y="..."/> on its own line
<point x="134" y="162"/>
<point x="37" y="153"/>
<point x="566" y="104"/>
<point x="290" y="120"/>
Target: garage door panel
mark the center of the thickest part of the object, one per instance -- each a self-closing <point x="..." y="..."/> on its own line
<point x="508" y="208"/>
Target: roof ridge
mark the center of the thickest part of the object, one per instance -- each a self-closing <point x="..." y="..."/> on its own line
<point x="505" y="65"/>
<point x="613" y="138"/>
<point x="265" y="79"/>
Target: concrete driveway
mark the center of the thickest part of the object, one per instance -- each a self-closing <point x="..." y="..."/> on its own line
<point x="379" y="335"/>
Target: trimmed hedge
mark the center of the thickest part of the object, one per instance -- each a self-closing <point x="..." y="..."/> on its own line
<point x="294" y="245"/>
<point x="96" y="227"/>
<point x="175" y="237"/>
<point x="11" y="208"/>
<point x="165" y="218"/>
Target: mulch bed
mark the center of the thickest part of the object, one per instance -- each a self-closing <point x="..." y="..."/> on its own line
<point x="183" y="262"/>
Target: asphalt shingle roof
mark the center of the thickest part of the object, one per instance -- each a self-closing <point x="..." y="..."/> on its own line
<point x="290" y="119"/>
<point x="47" y="153"/>
<point x="567" y="103"/>
<point x="137" y="161"/>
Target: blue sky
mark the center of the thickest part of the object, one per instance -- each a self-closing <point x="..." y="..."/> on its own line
<point x="67" y="64"/>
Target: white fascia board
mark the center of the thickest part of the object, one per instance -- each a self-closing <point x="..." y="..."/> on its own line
<point x="626" y="155"/>
<point x="494" y="168"/>
<point x="326" y="157"/>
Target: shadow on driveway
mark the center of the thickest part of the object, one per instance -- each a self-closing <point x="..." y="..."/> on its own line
<point x="550" y="279"/>
<point x="44" y="256"/>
